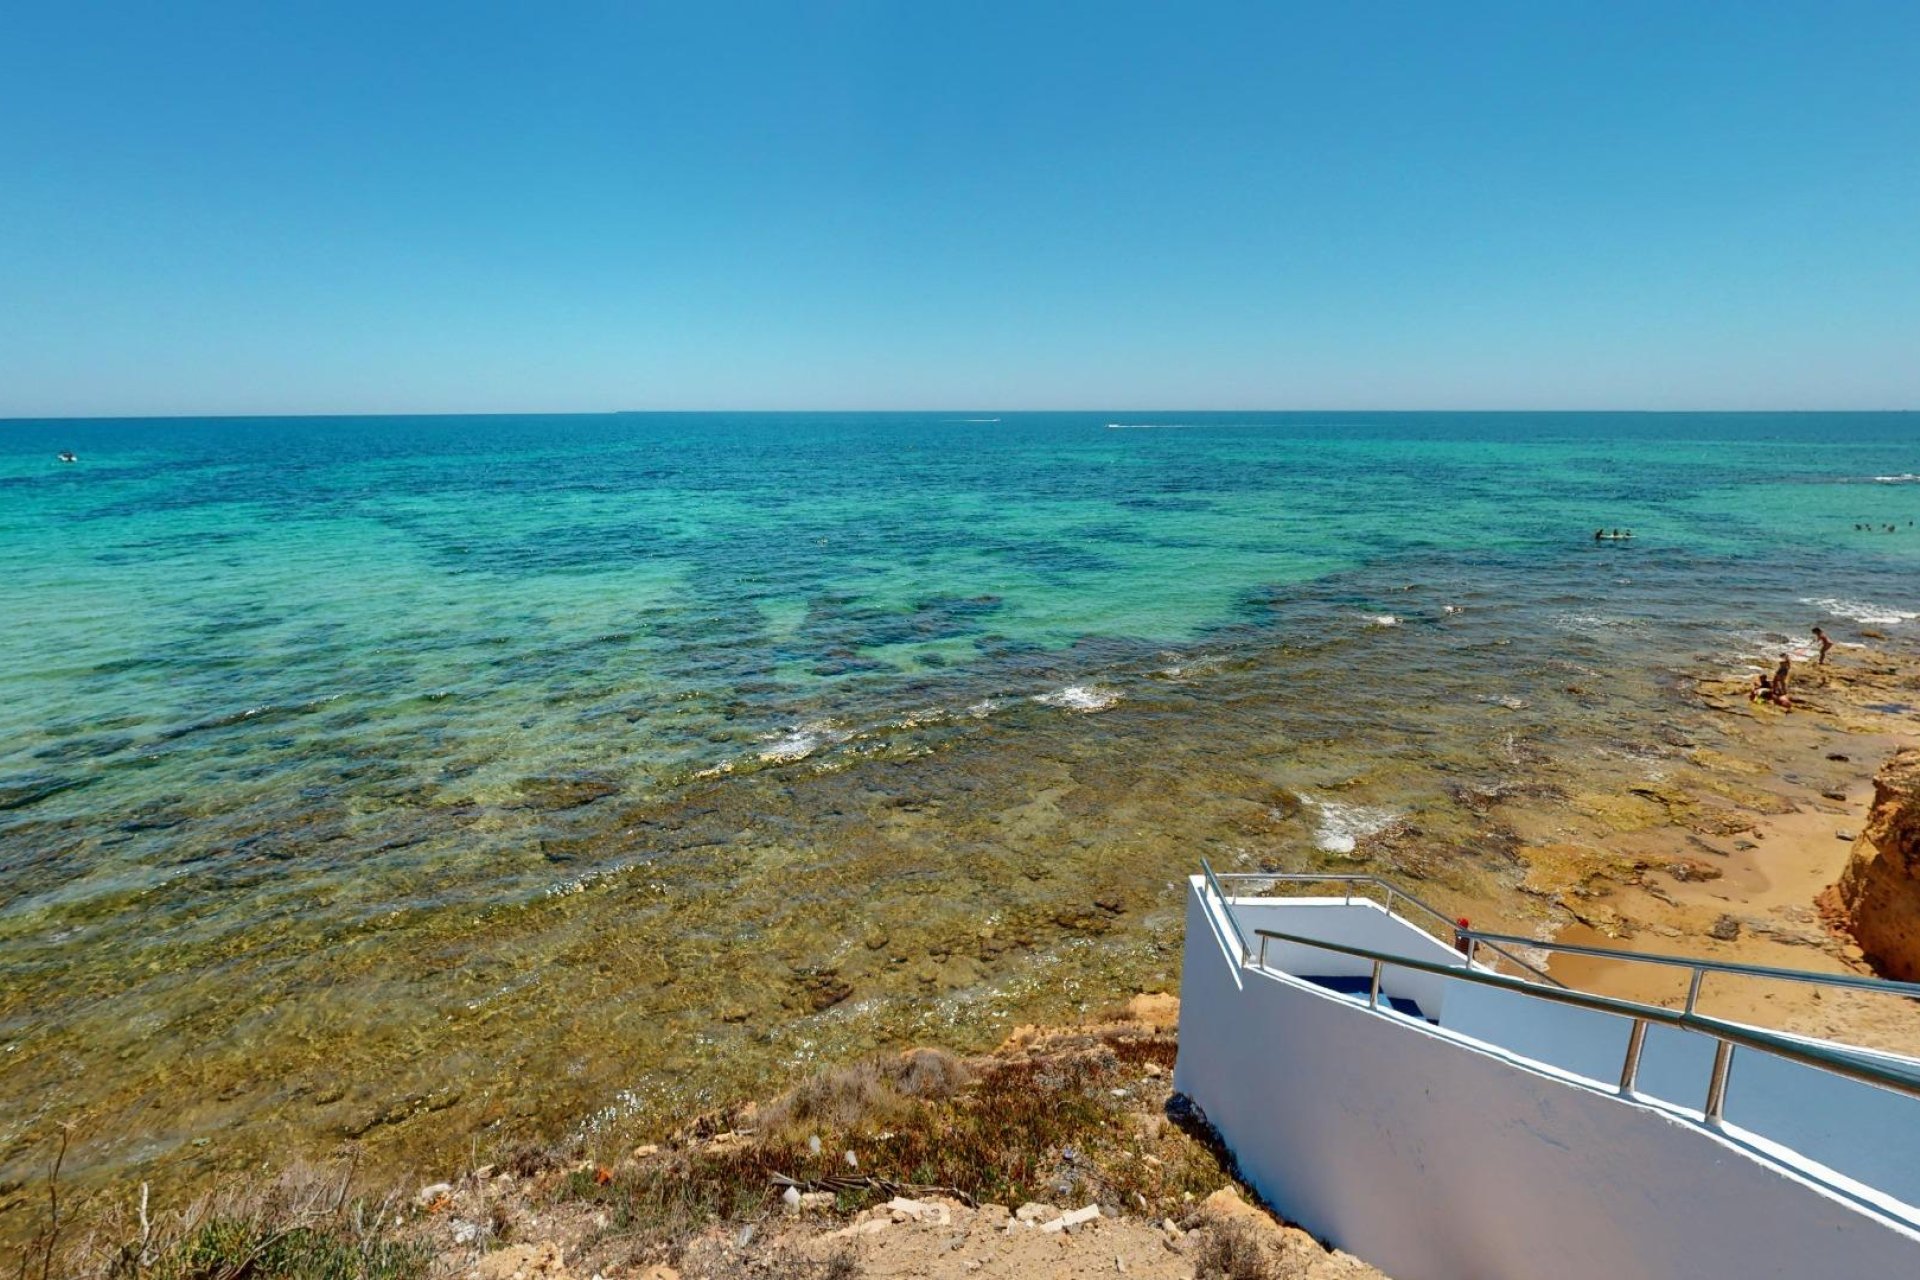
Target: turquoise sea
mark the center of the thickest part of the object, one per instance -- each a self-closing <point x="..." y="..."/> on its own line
<point x="513" y="770"/>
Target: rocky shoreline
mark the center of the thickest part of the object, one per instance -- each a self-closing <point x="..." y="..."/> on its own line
<point x="1731" y="828"/>
<point x="1788" y="843"/>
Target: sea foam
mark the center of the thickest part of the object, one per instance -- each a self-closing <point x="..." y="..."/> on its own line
<point x="1862" y="611"/>
<point x="1341" y="826"/>
<point x="802" y="741"/>
<point x="1079" y="697"/>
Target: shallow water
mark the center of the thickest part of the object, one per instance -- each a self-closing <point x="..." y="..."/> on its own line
<point x="397" y="778"/>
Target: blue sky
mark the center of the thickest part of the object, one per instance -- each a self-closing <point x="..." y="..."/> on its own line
<point x="344" y="207"/>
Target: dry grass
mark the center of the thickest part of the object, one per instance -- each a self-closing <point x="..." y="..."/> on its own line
<point x="1232" y="1251"/>
<point x="306" y="1225"/>
<point x="872" y="1093"/>
<point x="1087" y="1123"/>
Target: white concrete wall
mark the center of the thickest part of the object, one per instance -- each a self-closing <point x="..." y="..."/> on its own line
<point x="1840" y="1123"/>
<point x="1674" y="1064"/>
<point x="1434" y="1159"/>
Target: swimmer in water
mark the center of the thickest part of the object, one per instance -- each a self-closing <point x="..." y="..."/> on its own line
<point x="1825" y="644"/>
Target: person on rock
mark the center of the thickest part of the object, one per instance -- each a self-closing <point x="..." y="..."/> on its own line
<point x="1778" y="686"/>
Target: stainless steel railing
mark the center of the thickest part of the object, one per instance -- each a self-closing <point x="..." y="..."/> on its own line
<point x="1700" y="967"/>
<point x="1226" y="909"/>
<point x="1468" y="941"/>
<point x="1727" y="1035"/>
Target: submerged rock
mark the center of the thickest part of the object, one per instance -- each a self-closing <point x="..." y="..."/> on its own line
<point x="820" y="989"/>
<point x="19" y="792"/>
<point x="550" y="794"/>
<point x="404" y="1110"/>
<point x="1079" y="919"/>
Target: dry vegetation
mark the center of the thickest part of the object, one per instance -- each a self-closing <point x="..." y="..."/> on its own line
<point x="301" y="1226"/>
<point x="1068" y="1118"/>
<point x="1233" y="1250"/>
<point x="1075" y="1119"/>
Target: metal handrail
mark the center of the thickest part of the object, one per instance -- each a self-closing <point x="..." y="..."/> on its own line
<point x="1213" y="882"/>
<point x="1727" y="1035"/>
<point x="1701" y="967"/>
<point x="1394" y="892"/>
<point x="1335" y="877"/>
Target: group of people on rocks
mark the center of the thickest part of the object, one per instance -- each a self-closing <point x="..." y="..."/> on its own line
<point x="1774" y="688"/>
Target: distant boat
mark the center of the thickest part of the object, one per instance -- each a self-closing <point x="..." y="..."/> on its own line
<point x="68" y="457"/>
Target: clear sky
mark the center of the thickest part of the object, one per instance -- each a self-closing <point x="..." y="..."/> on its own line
<point x="406" y="206"/>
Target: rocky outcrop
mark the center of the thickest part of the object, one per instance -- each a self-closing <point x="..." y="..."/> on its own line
<point x="1878" y="897"/>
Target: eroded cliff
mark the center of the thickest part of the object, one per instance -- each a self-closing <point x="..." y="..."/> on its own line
<point x="1878" y="897"/>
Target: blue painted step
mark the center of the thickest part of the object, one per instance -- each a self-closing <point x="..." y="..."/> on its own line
<point x="1362" y="986"/>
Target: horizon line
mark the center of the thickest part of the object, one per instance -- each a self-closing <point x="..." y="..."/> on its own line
<point x="611" y="413"/>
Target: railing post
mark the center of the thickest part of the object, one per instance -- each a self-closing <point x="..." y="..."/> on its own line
<point x="1693" y="988"/>
<point x="1373" y="998"/>
<point x="1389" y="899"/>
<point x="1263" y="951"/>
<point x="1717" y="1085"/>
<point x="1630" y="1069"/>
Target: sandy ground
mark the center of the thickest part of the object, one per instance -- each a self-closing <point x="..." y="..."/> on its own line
<point x="955" y="1243"/>
<point x="941" y="1239"/>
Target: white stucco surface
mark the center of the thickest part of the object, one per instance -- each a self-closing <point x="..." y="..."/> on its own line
<point x="1840" y="1123"/>
<point x="1437" y="1158"/>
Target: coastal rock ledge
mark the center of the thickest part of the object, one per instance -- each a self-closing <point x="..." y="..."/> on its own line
<point x="1878" y="897"/>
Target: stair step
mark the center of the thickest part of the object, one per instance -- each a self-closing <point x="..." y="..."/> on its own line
<point x="1359" y="985"/>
